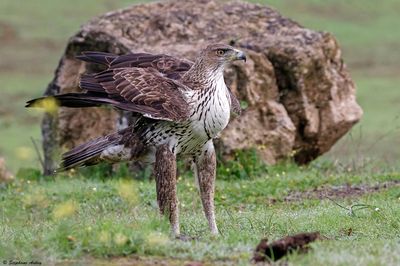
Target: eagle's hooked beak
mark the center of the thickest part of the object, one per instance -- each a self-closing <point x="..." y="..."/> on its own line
<point x="240" y="55"/>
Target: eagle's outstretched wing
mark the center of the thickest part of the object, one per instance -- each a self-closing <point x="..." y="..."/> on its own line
<point x="142" y="83"/>
<point x="141" y="90"/>
<point x="170" y="66"/>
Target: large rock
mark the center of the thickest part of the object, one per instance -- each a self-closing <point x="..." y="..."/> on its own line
<point x="300" y="98"/>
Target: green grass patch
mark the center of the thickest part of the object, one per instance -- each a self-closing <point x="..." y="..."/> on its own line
<point x="38" y="30"/>
<point x="245" y="164"/>
<point x="72" y="217"/>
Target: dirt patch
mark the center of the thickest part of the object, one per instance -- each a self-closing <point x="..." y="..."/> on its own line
<point x="137" y="260"/>
<point x="8" y="32"/>
<point x="26" y="61"/>
<point x="280" y="248"/>
<point x="344" y="191"/>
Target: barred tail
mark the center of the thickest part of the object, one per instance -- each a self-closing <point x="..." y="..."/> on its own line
<point x="88" y="153"/>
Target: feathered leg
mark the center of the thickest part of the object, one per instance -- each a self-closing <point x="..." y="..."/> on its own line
<point x="165" y="171"/>
<point x="204" y="167"/>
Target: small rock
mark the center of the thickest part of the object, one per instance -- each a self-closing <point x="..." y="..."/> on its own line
<point x="5" y="176"/>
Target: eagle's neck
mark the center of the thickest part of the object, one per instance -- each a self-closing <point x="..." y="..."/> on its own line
<point x="209" y="100"/>
<point x="202" y="74"/>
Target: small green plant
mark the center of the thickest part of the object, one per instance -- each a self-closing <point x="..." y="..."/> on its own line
<point x="245" y="164"/>
<point x="29" y="174"/>
<point x="122" y="170"/>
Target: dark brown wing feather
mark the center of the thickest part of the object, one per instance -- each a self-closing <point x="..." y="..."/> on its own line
<point x="141" y="90"/>
<point x="119" y="86"/>
<point x="170" y="66"/>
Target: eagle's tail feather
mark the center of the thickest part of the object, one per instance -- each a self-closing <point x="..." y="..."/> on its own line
<point x="88" y="153"/>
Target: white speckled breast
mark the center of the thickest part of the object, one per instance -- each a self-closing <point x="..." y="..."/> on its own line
<point x="210" y="115"/>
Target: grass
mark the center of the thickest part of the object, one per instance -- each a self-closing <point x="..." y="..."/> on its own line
<point x="89" y="217"/>
<point x="71" y="216"/>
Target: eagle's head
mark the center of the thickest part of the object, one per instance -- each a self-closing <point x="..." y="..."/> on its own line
<point x="218" y="55"/>
<point x="211" y="62"/>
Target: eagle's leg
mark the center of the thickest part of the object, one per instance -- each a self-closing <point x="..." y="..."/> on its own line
<point x="165" y="172"/>
<point x="204" y="168"/>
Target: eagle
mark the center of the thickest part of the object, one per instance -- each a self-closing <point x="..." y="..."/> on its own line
<point x="181" y="106"/>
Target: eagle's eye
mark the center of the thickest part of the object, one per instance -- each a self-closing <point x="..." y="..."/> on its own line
<point x="220" y="52"/>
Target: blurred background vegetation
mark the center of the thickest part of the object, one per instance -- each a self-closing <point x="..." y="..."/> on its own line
<point x="33" y="35"/>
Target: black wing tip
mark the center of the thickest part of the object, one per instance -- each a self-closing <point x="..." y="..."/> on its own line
<point x="32" y="103"/>
<point x="102" y="58"/>
<point x="29" y="103"/>
<point x="61" y="168"/>
<point x="65" y="165"/>
<point x="81" y="57"/>
<point x="37" y="102"/>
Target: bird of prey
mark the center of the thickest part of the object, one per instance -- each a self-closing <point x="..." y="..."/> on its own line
<point x="182" y="106"/>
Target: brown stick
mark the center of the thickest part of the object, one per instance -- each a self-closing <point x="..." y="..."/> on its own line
<point x="279" y="248"/>
<point x="40" y="159"/>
